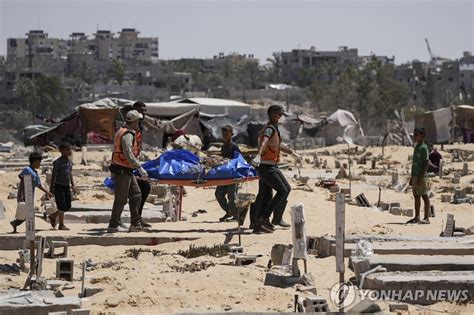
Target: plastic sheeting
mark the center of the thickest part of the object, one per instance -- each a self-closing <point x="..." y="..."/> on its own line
<point x="184" y="165"/>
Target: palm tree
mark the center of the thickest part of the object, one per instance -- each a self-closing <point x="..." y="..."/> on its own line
<point x="275" y="66"/>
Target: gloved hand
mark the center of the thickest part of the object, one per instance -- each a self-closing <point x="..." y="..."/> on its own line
<point x="297" y="157"/>
<point x="256" y="160"/>
<point x="143" y="173"/>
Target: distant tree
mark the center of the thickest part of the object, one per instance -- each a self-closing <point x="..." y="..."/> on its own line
<point x="26" y="90"/>
<point x="52" y="96"/>
<point x="118" y="71"/>
<point x="274" y="67"/>
<point x="86" y="73"/>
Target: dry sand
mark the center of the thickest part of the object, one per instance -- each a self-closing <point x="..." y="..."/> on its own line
<point x="150" y="285"/>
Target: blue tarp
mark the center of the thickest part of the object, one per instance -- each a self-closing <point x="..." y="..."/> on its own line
<point x="183" y="164"/>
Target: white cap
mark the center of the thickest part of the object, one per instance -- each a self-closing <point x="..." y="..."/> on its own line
<point x="133" y="115"/>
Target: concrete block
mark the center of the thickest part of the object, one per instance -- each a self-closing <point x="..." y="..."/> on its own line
<point x="236" y="250"/>
<point x="407" y="212"/>
<point x="57" y="313"/>
<point x="281" y="254"/>
<point x="456" y="179"/>
<point x="365" y="306"/>
<point x="345" y="191"/>
<point x="283" y="278"/>
<point x="315" y="304"/>
<point x="470" y="230"/>
<point x="397" y="307"/>
<point x="395" y="211"/>
<point x="88" y="291"/>
<point x="395" y="204"/>
<point x="65" y="269"/>
<point x="303" y="288"/>
<point x="359" y="266"/>
<point x="334" y="189"/>
<point x="53" y="245"/>
<point x="80" y="312"/>
<point x="243" y="260"/>
<point x="312" y="244"/>
<point x="445" y="198"/>
<point x="384" y="206"/>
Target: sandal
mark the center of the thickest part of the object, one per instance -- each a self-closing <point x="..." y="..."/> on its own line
<point x="424" y="221"/>
<point x="413" y="221"/>
<point x="52" y="219"/>
<point x="63" y="228"/>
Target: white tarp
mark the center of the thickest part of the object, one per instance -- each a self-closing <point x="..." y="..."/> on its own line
<point x="342" y="123"/>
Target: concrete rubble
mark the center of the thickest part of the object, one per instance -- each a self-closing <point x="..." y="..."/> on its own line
<point x="36" y="302"/>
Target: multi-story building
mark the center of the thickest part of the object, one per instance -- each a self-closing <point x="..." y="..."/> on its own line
<point x="466" y="67"/>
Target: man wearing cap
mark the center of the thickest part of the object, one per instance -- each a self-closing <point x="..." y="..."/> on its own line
<point x="144" y="184"/>
<point x="418" y="179"/>
<point x="124" y="161"/>
<point x="270" y="145"/>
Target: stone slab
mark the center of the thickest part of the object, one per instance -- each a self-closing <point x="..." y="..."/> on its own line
<point x="419" y="262"/>
<point x="413" y="248"/>
<point x="150" y="216"/>
<point x="76" y="206"/>
<point x="36" y="302"/>
<point x="14" y="242"/>
<point x="324" y="242"/>
<point x="424" y="280"/>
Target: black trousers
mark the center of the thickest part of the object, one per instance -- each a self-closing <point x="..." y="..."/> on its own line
<point x="226" y="196"/>
<point x="264" y="196"/>
<point x="271" y="178"/>
<point x="63" y="197"/>
<point x="145" y="188"/>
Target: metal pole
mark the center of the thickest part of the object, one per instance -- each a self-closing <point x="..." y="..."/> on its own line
<point x="340" y="235"/>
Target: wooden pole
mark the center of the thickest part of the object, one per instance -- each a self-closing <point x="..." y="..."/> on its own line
<point x="340" y="231"/>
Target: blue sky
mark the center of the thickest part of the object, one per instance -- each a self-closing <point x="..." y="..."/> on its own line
<point x="205" y="28"/>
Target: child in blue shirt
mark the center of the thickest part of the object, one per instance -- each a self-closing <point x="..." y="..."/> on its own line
<point x="35" y="159"/>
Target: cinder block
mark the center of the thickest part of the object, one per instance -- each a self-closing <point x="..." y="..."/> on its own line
<point x="315" y="304"/>
<point x="57" y="244"/>
<point x="384" y="206"/>
<point x="395" y="211"/>
<point x="345" y="191"/>
<point x="236" y="250"/>
<point x="243" y="260"/>
<point x="456" y="180"/>
<point x="65" y="269"/>
<point x="445" y="198"/>
<point x="407" y="212"/>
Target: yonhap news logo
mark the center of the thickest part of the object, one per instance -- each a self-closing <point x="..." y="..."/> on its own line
<point x="344" y="295"/>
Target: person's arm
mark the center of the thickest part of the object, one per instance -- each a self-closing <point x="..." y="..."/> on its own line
<point x="73" y="186"/>
<point x="53" y="178"/>
<point x="425" y="164"/>
<point x="285" y="148"/>
<point x="127" y="143"/>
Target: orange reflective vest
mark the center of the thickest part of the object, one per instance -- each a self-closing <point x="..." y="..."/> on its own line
<point x="271" y="154"/>
<point x="118" y="157"/>
<point x="139" y="140"/>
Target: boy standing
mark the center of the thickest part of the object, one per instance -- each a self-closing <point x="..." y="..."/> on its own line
<point x="35" y="159"/>
<point x="61" y="184"/>
<point x="418" y="179"/>
<point x="228" y="151"/>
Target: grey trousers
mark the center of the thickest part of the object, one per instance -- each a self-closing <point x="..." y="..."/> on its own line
<point x="126" y="187"/>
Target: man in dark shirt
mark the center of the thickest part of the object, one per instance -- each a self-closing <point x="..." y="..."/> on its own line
<point x="228" y="151"/>
<point x="434" y="159"/>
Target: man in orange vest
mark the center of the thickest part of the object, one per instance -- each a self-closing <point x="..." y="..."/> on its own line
<point x="144" y="185"/>
<point x="124" y="161"/>
<point x="271" y="178"/>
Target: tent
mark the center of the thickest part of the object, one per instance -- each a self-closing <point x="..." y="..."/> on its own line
<point x="341" y="123"/>
<point x="96" y="122"/>
<point x="446" y="124"/>
<point x="89" y="123"/>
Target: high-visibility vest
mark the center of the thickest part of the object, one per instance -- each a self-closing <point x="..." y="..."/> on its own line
<point x="139" y="139"/>
<point x="271" y="154"/>
<point x="118" y="157"/>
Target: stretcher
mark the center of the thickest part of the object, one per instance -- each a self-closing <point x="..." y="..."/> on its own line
<point x="176" y="202"/>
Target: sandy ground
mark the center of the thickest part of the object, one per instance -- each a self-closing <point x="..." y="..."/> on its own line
<point x="150" y="285"/>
